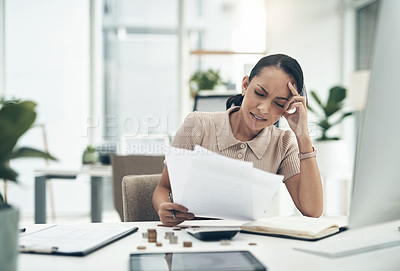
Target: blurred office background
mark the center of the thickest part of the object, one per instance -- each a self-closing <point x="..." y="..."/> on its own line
<point x="99" y="69"/>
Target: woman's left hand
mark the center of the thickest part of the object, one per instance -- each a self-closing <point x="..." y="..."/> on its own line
<point x="298" y="119"/>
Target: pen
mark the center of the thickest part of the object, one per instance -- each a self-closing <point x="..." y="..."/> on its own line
<point x="170" y="200"/>
<point x="38" y="249"/>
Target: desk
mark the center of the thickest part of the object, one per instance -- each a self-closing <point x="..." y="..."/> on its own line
<point x="96" y="173"/>
<point x="276" y="254"/>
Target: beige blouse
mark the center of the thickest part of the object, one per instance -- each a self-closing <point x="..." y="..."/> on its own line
<point x="273" y="149"/>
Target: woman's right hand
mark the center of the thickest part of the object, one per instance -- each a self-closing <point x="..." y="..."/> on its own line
<point x="165" y="213"/>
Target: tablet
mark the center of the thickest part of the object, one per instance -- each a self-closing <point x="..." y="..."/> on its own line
<point x="205" y="261"/>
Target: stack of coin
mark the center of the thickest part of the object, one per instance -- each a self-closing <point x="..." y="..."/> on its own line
<point x="225" y="242"/>
<point x="152" y="235"/>
<point x="173" y="240"/>
<point x="187" y="244"/>
<point x="168" y="235"/>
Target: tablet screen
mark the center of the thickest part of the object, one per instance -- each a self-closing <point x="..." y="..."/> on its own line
<point x="179" y="261"/>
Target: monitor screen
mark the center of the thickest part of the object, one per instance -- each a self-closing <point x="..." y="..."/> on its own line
<point x="376" y="188"/>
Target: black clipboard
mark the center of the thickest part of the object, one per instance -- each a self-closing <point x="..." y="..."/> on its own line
<point x="72" y="240"/>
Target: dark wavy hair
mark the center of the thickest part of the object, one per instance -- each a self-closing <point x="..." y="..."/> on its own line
<point x="281" y="61"/>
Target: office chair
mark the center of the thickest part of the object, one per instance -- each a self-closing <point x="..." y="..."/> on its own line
<point x="123" y="165"/>
<point x="137" y="193"/>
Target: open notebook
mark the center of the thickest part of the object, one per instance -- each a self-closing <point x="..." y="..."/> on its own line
<point x="72" y="240"/>
<point x="296" y="227"/>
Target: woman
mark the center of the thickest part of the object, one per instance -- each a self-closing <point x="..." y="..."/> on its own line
<point x="247" y="132"/>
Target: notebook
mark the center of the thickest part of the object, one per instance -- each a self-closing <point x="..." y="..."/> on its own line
<point x="296" y="227"/>
<point x="72" y="240"/>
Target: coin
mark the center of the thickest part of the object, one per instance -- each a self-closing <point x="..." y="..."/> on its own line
<point x="187" y="244"/>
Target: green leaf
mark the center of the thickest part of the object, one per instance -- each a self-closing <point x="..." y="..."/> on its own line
<point x="206" y="80"/>
<point x="316" y="98"/>
<point x="324" y="124"/>
<point x="7" y="173"/>
<point x="326" y="138"/>
<point x="15" y="120"/>
<point x="30" y="152"/>
<point x="342" y="117"/>
<point x="335" y="100"/>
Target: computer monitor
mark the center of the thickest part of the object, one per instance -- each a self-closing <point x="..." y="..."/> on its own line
<point x="376" y="188"/>
<point x="211" y="101"/>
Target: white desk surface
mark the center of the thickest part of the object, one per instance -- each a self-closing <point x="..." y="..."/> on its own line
<point x="95" y="171"/>
<point x="274" y="253"/>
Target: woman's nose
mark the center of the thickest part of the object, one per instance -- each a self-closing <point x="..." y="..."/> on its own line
<point x="264" y="107"/>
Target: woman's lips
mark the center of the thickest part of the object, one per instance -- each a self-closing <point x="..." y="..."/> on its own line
<point x="257" y="117"/>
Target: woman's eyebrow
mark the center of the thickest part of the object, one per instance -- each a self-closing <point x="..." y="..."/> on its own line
<point x="266" y="92"/>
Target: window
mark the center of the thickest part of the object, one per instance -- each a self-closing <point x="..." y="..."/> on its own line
<point x="142" y="90"/>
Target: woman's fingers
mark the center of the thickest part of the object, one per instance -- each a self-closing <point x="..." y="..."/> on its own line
<point x="298" y="100"/>
<point x="173" y="206"/>
<point x="294" y="107"/>
<point x="295" y="95"/>
<point x="167" y="217"/>
<point x="293" y="89"/>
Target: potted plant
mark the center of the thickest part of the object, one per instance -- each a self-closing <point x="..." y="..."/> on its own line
<point x="16" y="117"/>
<point x="329" y="110"/>
<point x="204" y="80"/>
<point x="90" y="156"/>
<point x="333" y="154"/>
<point x="331" y="149"/>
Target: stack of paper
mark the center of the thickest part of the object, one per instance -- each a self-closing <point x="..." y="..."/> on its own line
<point x="212" y="185"/>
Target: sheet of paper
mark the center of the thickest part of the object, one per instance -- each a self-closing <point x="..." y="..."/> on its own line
<point x="264" y="191"/>
<point x="212" y="185"/>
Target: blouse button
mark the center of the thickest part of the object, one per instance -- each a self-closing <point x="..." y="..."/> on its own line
<point x="242" y="146"/>
<point x="240" y="156"/>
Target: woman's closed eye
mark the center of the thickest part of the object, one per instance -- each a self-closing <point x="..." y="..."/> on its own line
<point x="278" y="104"/>
<point x="259" y="93"/>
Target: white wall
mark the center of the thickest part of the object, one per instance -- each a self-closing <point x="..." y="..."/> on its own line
<point x="309" y="31"/>
<point x="47" y="60"/>
<point x="321" y="38"/>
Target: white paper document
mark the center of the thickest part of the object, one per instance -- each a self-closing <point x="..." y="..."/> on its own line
<point x="212" y="185"/>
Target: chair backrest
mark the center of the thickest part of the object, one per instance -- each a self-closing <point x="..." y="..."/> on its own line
<point x="137" y="193"/>
<point x="123" y="165"/>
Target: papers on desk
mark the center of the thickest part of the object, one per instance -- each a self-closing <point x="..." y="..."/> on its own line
<point x="212" y="185"/>
<point x="72" y="240"/>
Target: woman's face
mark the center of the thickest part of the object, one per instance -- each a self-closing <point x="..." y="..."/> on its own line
<point x="265" y="98"/>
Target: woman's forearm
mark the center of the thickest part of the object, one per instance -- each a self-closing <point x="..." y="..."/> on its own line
<point x="310" y="187"/>
<point x="160" y="194"/>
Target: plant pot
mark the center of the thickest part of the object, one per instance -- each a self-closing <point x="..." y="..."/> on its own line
<point x="8" y="238"/>
<point x="333" y="159"/>
<point x="90" y="157"/>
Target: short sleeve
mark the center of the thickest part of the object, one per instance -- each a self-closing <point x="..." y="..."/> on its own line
<point x="190" y="133"/>
<point x="290" y="164"/>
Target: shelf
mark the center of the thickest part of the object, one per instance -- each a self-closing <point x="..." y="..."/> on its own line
<point x="208" y="52"/>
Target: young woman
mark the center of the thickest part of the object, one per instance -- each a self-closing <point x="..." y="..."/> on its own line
<point x="246" y="131"/>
